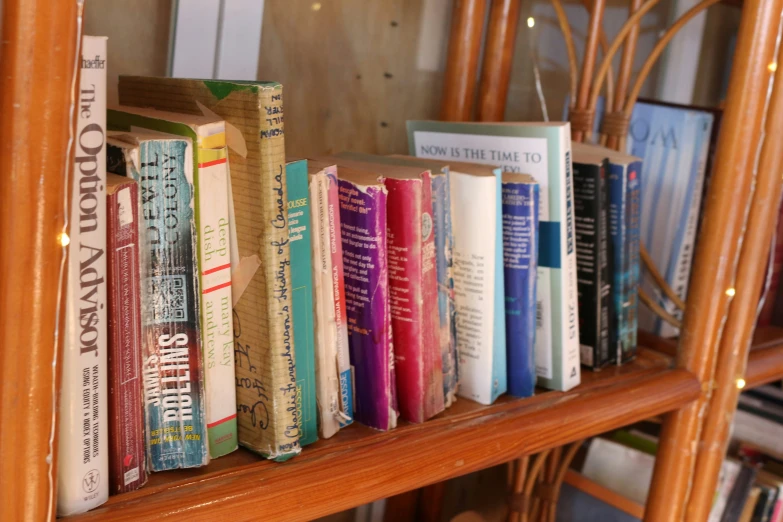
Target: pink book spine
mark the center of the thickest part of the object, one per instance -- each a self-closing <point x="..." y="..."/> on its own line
<point x="413" y="293"/>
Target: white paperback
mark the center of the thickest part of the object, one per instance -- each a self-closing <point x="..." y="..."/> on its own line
<point x="474" y="252"/>
<point x="83" y="460"/>
<point x="331" y="334"/>
<point x="542" y="150"/>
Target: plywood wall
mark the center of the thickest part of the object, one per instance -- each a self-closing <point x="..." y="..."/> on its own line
<point x="138" y="32"/>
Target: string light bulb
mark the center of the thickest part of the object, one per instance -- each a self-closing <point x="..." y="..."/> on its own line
<point x="730" y="292"/>
<point x="772" y="67"/>
<point x="63" y="239"/>
<point x="531" y="22"/>
<point x="316" y="6"/>
<point x="740" y="383"/>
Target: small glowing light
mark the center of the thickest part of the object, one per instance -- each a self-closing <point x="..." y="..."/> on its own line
<point x="531" y="22"/>
<point x="730" y="292"/>
<point x="63" y="239"/>
<point x="740" y="383"/>
<point x="773" y="67"/>
<point x="316" y="6"/>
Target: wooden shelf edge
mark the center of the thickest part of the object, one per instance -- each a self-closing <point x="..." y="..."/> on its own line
<point x="340" y="475"/>
<point x="765" y="361"/>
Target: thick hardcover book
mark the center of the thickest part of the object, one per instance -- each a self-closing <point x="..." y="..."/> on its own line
<point x="334" y="395"/>
<point x="260" y="266"/>
<point x="674" y="142"/>
<point x="83" y="460"/>
<point x="175" y="416"/>
<point x="302" y="297"/>
<point x="212" y="219"/>
<point x="127" y="462"/>
<point x="441" y="210"/>
<point x="413" y="286"/>
<point x="365" y="264"/>
<point x="544" y="151"/>
<point x="520" y="259"/>
<point x="591" y="211"/>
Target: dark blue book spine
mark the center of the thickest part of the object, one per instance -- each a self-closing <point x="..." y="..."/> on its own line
<point x="633" y="219"/>
<point x="621" y="269"/>
<point x="520" y="262"/>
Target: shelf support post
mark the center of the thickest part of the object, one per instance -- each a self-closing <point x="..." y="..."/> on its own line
<point x="717" y="253"/>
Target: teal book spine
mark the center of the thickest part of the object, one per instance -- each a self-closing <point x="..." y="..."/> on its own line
<point x="302" y="297"/>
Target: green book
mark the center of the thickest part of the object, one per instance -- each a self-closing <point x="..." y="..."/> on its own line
<point x="302" y="297"/>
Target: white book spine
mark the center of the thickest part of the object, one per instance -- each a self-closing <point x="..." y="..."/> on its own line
<point x="216" y="302"/>
<point x="326" y="371"/>
<point x="474" y="206"/>
<point x="83" y="462"/>
<point x="570" y="368"/>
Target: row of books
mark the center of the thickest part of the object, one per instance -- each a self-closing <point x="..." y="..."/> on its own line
<point x="246" y="299"/>
<point x="750" y="482"/>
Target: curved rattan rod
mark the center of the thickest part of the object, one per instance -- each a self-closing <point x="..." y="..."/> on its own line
<point x="652" y="270"/>
<point x="604" y="43"/>
<point x="565" y="28"/>
<point x="532" y="476"/>
<point x="561" y="471"/>
<point x="653" y="57"/>
<point x="658" y="309"/>
<point x="551" y="474"/>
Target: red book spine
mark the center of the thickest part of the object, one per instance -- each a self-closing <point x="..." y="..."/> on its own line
<point x="413" y="292"/>
<point x="127" y="467"/>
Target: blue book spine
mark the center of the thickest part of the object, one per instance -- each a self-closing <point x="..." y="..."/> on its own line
<point x="621" y="267"/>
<point x="520" y="255"/>
<point x="441" y="208"/>
<point x="499" y="377"/>
<point x="633" y="225"/>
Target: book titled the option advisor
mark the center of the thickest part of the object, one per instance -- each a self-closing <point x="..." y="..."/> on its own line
<point x="542" y="150"/>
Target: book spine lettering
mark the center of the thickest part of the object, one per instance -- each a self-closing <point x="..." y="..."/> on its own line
<point x="631" y="289"/>
<point x="569" y="365"/>
<point x="520" y="260"/>
<point x="127" y="463"/>
<point x="363" y="229"/>
<point x="83" y="463"/>
<point x="216" y="314"/>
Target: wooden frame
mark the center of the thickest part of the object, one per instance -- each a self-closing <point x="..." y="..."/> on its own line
<point x="39" y="70"/>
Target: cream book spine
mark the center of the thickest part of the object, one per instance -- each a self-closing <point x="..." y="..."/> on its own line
<point x="83" y="457"/>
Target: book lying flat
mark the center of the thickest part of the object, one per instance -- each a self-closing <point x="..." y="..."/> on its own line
<point x="260" y="265"/>
<point x="542" y="150"/>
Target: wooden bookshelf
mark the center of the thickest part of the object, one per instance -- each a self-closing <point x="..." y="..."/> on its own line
<point x="360" y="465"/>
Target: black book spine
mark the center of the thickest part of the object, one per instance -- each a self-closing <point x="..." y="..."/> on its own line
<point x="739" y="494"/>
<point x="591" y="209"/>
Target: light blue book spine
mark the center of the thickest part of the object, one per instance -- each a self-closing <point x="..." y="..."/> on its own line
<point x="499" y="377"/>
<point x="441" y="208"/>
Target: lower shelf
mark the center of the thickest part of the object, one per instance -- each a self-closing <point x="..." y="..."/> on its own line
<point x="360" y="465"/>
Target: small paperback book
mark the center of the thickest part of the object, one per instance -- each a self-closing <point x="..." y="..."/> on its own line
<point x="413" y="287"/>
<point x="365" y="262"/>
<point x="299" y="227"/>
<point x="127" y="461"/>
<point x="83" y="457"/>
<point x="441" y="210"/>
<point x="175" y="416"/>
<point x="542" y="150"/>
<point x="593" y="260"/>
<point x="334" y="383"/>
<point x="520" y="259"/>
<point x="212" y="219"/>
